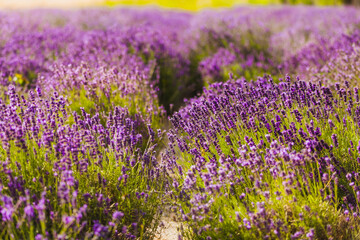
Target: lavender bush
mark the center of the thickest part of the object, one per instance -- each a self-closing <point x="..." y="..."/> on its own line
<point x="265" y="160"/>
<point x="65" y="174"/>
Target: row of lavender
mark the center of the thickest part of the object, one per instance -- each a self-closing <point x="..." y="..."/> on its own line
<point x="79" y="119"/>
<point x="273" y="158"/>
<point x="83" y="107"/>
<point x="267" y="161"/>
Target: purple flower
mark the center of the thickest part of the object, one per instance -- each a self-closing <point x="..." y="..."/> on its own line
<point x="117" y="215"/>
<point x="7" y="213"/>
<point x="39" y="237"/>
<point x="67" y="220"/>
<point x="247" y="223"/>
<point x="29" y="211"/>
<point x="311" y="234"/>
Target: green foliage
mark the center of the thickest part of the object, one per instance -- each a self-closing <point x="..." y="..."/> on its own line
<point x="138" y="195"/>
<point x="326" y="217"/>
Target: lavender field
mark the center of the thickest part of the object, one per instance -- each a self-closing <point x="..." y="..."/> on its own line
<point x="240" y="123"/>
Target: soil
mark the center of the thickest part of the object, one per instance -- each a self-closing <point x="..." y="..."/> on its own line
<point x="169" y="231"/>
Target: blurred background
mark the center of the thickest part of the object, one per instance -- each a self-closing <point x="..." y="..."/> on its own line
<point x="191" y="5"/>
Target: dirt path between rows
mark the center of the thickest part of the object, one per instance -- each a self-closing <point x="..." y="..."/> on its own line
<point x="169" y="231"/>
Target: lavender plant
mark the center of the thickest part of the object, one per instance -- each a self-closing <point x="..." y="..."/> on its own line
<point x="67" y="175"/>
<point x="266" y="160"/>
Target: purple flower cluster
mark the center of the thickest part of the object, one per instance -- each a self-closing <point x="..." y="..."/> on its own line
<point x="213" y="66"/>
<point x="75" y="49"/>
<point x="330" y="60"/>
<point x="50" y="151"/>
<point x="255" y="152"/>
<point x="268" y="40"/>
